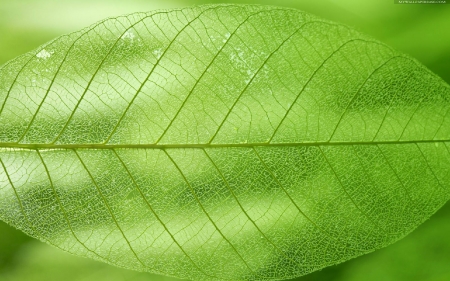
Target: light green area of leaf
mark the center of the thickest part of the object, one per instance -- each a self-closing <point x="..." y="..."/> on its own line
<point x="221" y="142"/>
<point x="421" y="256"/>
<point x="25" y="24"/>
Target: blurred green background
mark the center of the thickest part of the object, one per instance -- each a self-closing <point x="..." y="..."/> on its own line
<point x="422" y="31"/>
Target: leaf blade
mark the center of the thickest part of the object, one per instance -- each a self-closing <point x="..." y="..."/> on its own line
<point x="263" y="140"/>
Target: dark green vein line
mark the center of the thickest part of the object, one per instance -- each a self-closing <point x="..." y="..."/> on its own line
<point x="255" y="75"/>
<point x="442" y="123"/>
<point x="109" y="208"/>
<point x="346" y="191"/>
<point x="358" y="92"/>
<point x="448" y="150"/>
<point x="28" y="222"/>
<point x="389" y="108"/>
<point x="54" y="77"/>
<point x="432" y="194"/>
<point x="63" y="209"/>
<point x="22" y="209"/>
<point x="245" y="212"/>
<point x="97" y="70"/>
<point x="204" y="210"/>
<point x="395" y="173"/>
<point x="33" y="56"/>
<point x="156" y="215"/>
<point x="429" y="167"/>
<point x="206" y="69"/>
<point x="369" y="176"/>
<point x="311" y="78"/>
<point x="15" y="80"/>
<point x="298" y="207"/>
<point x="446" y="147"/>
<point x="152" y="71"/>
<point x="411" y="117"/>
<point x="205" y="145"/>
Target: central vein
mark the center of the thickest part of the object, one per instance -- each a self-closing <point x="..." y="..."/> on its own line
<point x="202" y="145"/>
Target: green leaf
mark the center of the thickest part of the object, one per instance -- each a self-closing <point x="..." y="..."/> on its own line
<point x="221" y="142"/>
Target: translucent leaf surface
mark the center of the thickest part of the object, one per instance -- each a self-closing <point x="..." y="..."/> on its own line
<point x="221" y="142"/>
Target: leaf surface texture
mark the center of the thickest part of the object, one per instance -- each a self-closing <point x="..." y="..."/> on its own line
<point x="221" y="142"/>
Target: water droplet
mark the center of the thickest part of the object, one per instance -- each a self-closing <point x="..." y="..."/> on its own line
<point x="44" y="54"/>
<point x="227" y="36"/>
<point x="158" y="53"/>
<point x="128" y="35"/>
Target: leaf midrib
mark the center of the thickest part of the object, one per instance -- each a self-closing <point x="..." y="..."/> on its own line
<point x="34" y="146"/>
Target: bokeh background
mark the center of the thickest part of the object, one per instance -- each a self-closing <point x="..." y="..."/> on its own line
<point x="420" y="30"/>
